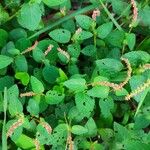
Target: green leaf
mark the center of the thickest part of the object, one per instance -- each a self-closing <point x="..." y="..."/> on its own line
<point x="99" y="92"/>
<point x="77" y="85"/>
<point x="131" y="40"/>
<point x="13" y="51"/>
<point x="142" y="121"/>
<point x="6" y="81"/>
<point x="74" y="50"/>
<point x="50" y="74"/>
<point x="62" y="76"/>
<point x="121" y="133"/>
<point x="133" y="144"/>
<point x="33" y="107"/>
<point x="17" y="34"/>
<point x="23" y="76"/>
<point x="38" y="55"/>
<point x="3" y="37"/>
<point x="83" y="35"/>
<point x="4" y="16"/>
<point x="122" y="92"/>
<point x="25" y="142"/>
<point x="106" y="106"/>
<point x="120" y="7"/>
<point x="79" y="130"/>
<point x="63" y="58"/>
<point x="144" y="16"/>
<point x="106" y="133"/>
<point x="43" y="134"/>
<point x="36" y="85"/>
<point x="15" y="106"/>
<point x="84" y="21"/>
<point x="85" y="104"/>
<point x="92" y="128"/>
<point x="109" y="66"/>
<point x="104" y="29"/>
<point x="115" y="38"/>
<point x="13" y="90"/>
<point x="60" y="35"/>
<point x="59" y="135"/>
<point x="52" y="3"/>
<point x="30" y="16"/>
<point x="17" y="132"/>
<point x="54" y="97"/>
<point x="22" y="44"/>
<point x="89" y="50"/>
<point x="5" y="61"/>
<point x="135" y="82"/>
<point x="137" y="57"/>
<point x="21" y="64"/>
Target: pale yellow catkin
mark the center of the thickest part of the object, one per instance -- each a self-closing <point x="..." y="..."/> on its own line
<point x="64" y="53"/>
<point x="30" y="48"/>
<point x="135" y="13"/>
<point x="47" y="127"/>
<point x="70" y="143"/>
<point x="138" y="90"/>
<point x="37" y="144"/>
<point x="114" y="85"/>
<point x="27" y="94"/>
<point x="15" y="125"/>
<point x="48" y="49"/>
<point x="146" y="67"/>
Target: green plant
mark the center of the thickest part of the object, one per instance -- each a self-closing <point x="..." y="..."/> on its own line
<point x="74" y="74"/>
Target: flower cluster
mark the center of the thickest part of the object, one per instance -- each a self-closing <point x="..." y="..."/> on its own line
<point x="70" y="143"/>
<point x="146" y="67"/>
<point x="121" y="85"/>
<point x="30" y="48"/>
<point x="27" y="94"/>
<point x="64" y="53"/>
<point x="138" y="90"/>
<point x="135" y="12"/>
<point x="15" y="125"/>
<point x="47" y="127"/>
<point x="37" y="144"/>
<point x="48" y="49"/>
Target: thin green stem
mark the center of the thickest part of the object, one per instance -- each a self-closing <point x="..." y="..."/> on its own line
<point x="11" y="17"/>
<point x="4" y="138"/>
<point x="110" y="16"/>
<point x="60" y="21"/>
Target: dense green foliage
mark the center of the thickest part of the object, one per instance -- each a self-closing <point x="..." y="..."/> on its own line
<point x="75" y="74"/>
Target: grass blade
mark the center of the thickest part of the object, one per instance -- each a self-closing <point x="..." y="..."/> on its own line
<point x="4" y="138"/>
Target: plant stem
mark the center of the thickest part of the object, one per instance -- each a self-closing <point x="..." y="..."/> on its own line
<point x="4" y="138"/>
<point x="110" y="16"/>
<point x="49" y="27"/>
